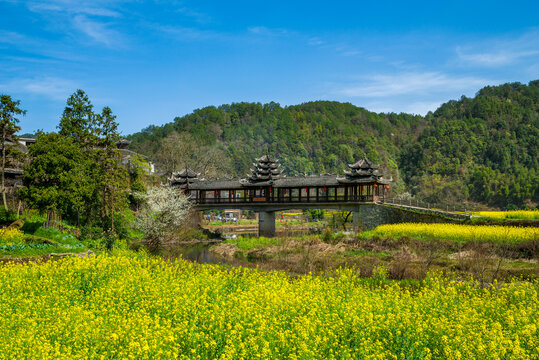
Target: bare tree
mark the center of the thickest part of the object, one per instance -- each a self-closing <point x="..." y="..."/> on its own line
<point x="180" y="150"/>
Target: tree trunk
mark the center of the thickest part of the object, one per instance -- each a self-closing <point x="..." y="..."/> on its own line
<point x="112" y="209"/>
<point x="47" y="220"/>
<point x="4" y="168"/>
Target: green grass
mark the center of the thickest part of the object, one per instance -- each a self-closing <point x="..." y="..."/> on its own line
<point x="521" y="264"/>
<point x="240" y="222"/>
<point x="56" y="236"/>
<point x="248" y="243"/>
<point x="24" y="250"/>
<point x="34" y="243"/>
<point x="284" y="223"/>
<point x="362" y="252"/>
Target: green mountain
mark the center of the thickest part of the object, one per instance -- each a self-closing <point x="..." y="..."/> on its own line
<point x="482" y="149"/>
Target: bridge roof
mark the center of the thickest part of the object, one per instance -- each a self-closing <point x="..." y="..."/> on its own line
<point x="323" y="180"/>
<point x="230" y="184"/>
<point x="286" y="182"/>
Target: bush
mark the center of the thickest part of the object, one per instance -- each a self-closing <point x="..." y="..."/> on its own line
<point x="327" y="236"/>
<point x="163" y="214"/>
<point x="7" y="216"/>
<point x="33" y="220"/>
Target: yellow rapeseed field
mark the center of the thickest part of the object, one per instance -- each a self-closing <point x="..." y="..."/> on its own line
<point x="458" y="232"/>
<point x="137" y="307"/>
<point x="10" y="235"/>
<point x="514" y="214"/>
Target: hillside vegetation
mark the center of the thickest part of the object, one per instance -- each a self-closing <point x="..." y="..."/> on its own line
<point x="481" y="149"/>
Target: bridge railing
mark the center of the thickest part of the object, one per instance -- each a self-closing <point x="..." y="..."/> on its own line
<point x="287" y="199"/>
<point x="416" y="203"/>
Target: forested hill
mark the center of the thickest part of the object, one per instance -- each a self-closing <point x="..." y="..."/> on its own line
<point x="482" y="149"/>
<point x="311" y="138"/>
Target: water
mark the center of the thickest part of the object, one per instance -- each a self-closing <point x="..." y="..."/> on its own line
<point x="200" y="251"/>
<point x="278" y="233"/>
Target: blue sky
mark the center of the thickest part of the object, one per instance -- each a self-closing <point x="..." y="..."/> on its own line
<point x="153" y="60"/>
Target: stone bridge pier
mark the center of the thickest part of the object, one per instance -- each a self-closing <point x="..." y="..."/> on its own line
<point x="266" y="223"/>
<point x="364" y="216"/>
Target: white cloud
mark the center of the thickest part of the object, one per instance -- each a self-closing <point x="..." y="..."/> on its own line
<point x="51" y="87"/>
<point x="401" y="105"/>
<point x="265" y="31"/>
<point x="500" y="51"/>
<point x="408" y="83"/>
<point x="350" y="53"/>
<point x="199" y="17"/>
<point x="98" y="31"/>
<point x="421" y="107"/>
<point x="499" y="58"/>
<point x="73" y="8"/>
<point x="315" y="42"/>
<point x="43" y="7"/>
<point x="46" y="49"/>
<point x="13" y="38"/>
<point x="84" y="16"/>
<point x="187" y="33"/>
<point x="98" y="12"/>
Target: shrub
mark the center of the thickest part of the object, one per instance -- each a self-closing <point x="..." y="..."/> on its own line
<point x="162" y="215"/>
<point x="7" y="216"/>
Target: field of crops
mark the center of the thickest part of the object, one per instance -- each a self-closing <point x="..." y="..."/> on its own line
<point x="10" y="236"/>
<point x="457" y="232"/>
<point x="135" y="307"/>
<point x="515" y="214"/>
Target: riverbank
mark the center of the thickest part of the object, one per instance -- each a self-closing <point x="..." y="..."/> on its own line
<point x="404" y="257"/>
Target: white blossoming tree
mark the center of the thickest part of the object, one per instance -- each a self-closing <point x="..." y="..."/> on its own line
<point x="163" y="214"/>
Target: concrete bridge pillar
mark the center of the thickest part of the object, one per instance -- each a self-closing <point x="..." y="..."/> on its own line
<point x="356" y="219"/>
<point x="194" y="219"/>
<point x="266" y="223"/>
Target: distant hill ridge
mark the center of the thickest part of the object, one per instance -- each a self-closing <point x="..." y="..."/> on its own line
<point x="482" y="149"/>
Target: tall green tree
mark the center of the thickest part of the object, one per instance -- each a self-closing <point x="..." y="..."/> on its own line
<point x="113" y="181"/>
<point x="78" y="120"/>
<point x="52" y="180"/>
<point x="9" y="110"/>
<point x="83" y="160"/>
<point x="96" y="135"/>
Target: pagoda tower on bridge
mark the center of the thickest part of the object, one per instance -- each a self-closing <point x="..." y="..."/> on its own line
<point x="361" y="172"/>
<point x="184" y="178"/>
<point x="266" y="171"/>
